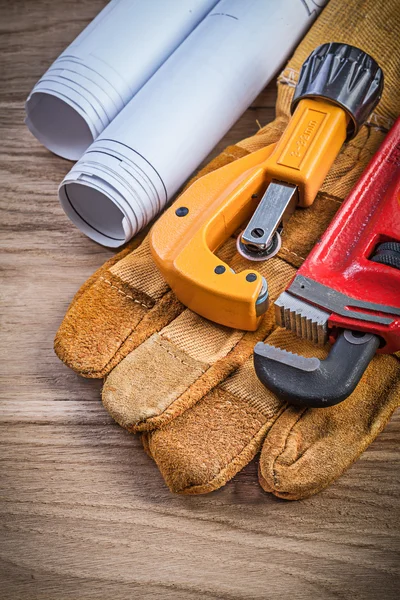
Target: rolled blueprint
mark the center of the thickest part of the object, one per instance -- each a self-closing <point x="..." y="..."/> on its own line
<point x="97" y="75"/>
<point x="154" y="144"/>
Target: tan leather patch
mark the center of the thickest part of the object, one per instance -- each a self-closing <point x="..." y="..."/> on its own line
<point x="204" y="447"/>
<point x="148" y="380"/>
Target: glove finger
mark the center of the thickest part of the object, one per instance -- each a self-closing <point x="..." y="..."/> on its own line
<point x="174" y="369"/>
<point x="307" y="449"/>
<point x="200" y="450"/>
<point x="121" y="305"/>
<point x="97" y="329"/>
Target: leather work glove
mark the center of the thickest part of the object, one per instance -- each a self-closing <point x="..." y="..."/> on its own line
<point x="188" y="383"/>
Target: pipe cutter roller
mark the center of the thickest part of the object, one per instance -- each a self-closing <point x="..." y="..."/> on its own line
<point x="339" y="86"/>
<point x="347" y="290"/>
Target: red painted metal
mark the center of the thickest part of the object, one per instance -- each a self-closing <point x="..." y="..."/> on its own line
<point x="341" y="259"/>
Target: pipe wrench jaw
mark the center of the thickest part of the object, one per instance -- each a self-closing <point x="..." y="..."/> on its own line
<point x="309" y="381"/>
<point x="322" y="383"/>
<point x="313" y="382"/>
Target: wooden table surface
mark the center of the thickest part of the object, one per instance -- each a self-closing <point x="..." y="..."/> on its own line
<point x="84" y="512"/>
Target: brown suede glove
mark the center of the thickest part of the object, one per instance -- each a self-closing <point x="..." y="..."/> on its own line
<point x="189" y="383"/>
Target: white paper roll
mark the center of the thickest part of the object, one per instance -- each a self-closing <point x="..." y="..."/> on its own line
<point x="176" y="119"/>
<point x="97" y="75"/>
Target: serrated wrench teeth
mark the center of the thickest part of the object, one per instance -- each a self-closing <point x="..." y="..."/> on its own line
<point x="305" y="320"/>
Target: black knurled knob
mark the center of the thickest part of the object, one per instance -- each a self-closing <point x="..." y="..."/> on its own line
<point x="344" y="75"/>
<point x="388" y="253"/>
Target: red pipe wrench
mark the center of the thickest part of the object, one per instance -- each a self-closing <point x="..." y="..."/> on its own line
<point x="347" y="291"/>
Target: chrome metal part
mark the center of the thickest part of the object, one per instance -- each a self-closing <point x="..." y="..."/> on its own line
<point x="287" y="358"/>
<point x="252" y="253"/>
<point x="275" y="209"/>
<point x="305" y="320"/>
<point x="331" y="300"/>
<point x="263" y="299"/>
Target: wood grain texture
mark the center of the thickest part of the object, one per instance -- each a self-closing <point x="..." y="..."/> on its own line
<point x="84" y="512"/>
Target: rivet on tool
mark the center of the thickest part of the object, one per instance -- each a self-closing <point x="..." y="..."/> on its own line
<point x="251" y="277"/>
<point x="219" y="270"/>
<point x="182" y="211"/>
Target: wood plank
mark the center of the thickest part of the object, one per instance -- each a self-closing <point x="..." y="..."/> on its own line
<point x="84" y="513"/>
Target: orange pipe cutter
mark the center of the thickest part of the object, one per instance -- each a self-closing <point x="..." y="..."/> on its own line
<point x="339" y="86"/>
